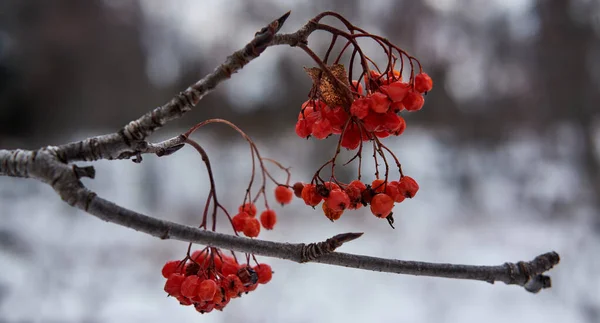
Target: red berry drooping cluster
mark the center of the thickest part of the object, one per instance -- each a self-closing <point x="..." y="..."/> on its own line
<point x="380" y="195"/>
<point x="374" y="113"/>
<point x="209" y="279"/>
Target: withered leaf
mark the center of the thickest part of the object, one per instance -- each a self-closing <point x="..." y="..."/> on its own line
<point x="328" y="90"/>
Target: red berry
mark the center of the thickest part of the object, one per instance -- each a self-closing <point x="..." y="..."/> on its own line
<point x="239" y="221"/>
<point x="302" y="129"/>
<point x="321" y="129"/>
<point x="393" y="122"/>
<point x="252" y="228"/>
<point x="373" y="122"/>
<point x="413" y="101"/>
<point x="229" y="267"/>
<point x="351" y="137"/>
<point x="233" y="285"/>
<point x="392" y="189"/>
<point x="382" y="205"/>
<point x="330" y="213"/>
<point x="357" y="87"/>
<point x="189" y="287"/>
<point x="423" y="83"/>
<point x="360" y="108"/>
<point x="173" y="284"/>
<point x="264" y="273"/>
<point x="378" y="185"/>
<point x="396" y="91"/>
<point x="310" y="195"/>
<point x="207" y="290"/>
<point x="283" y="194"/>
<point x="249" y="208"/>
<point x="337" y="117"/>
<point x="408" y="186"/>
<point x="298" y="187"/>
<point x="379" y="102"/>
<point x="338" y="200"/>
<point x="170" y="268"/>
<point x="354" y="191"/>
<point x="268" y="219"/>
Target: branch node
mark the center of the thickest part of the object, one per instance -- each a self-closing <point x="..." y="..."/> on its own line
<point x="87" y="171"/>
<point x="313" y="251"/>
<point x="138" y="157"/>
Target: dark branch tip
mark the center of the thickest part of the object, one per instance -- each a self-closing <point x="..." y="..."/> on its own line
<point x="169" y="150"/>
<point x="87" y="171"/>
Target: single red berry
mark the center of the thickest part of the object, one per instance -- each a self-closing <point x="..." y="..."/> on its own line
<point x="189" y="287"/>
<point x="239" y="221"/>
<point x="229" y="267"/>
<point x="283" y="194"/>
<point x="268" y="219"/>
<point x="298" y="187"/>
<point x="233" y="285"/>
<point x="173" y="284"/>
<point x="408" y="186"/>
<point x="378" y="185"/>
<point x="170" y="268"/>
<point x="396" y="91"/>
<point x="351" y="137"/>
<point x="373" y="122"/>
<point x="396" y="107"/>
<point x="393" y="123"/>
<point x="264" y="272"/>
<point x="302" y="129"/>
<point x="379" y="102"/>
<point x="382" y="205"/>
<point x="310" y="195"/>
<point x="392" y="190"/>
<point x="330" y="213"/>
<point x="184" y="300"/>
<point x="360" y="108"/>
<point x="207" y="290"/>
<point x="252" y="228"/>
<point x="337" y="117"/>
<point x="413" y="101"/>
<point x="338" y="200"/>
<point x="321" y="129"/>
<point x="354" y="191"/>
<point x="423" y="83"/>
<point x="249" y="208"/>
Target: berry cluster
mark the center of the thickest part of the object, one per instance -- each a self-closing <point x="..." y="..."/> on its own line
<point x="245" y="220"/>
<point x="209" y="279"/>
<point x="374" y="113"/>
<point x="380" y="195"/>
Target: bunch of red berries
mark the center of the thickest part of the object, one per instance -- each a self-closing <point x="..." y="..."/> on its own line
<point x="380" y="195"/>
<point x="245" y="221"/>
<point x="209" y="279"/>
<point x="374" y="113"/>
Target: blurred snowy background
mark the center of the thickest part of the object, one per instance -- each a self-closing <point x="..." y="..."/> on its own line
<point x="507" y="152"/>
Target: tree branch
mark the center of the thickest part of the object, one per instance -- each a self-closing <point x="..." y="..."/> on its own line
<point x="50" y="165"/>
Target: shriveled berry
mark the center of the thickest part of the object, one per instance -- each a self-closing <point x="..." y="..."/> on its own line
<point x="408" y="186"/>
<point x="382" y="205"/>
<point x="239" y="221"/>
<point x="423" y="83"/>
<point x="252" y="228"/>
<point x="268" y="219"/>
<point x="249" y="208"/>
<point x="413" y="101"/>
<point x="330" y="213"/>
<point x="310" y="195"/>
<point x="170" y="268"/>
<point x="207" y="290"/>
<point x="264" y="272"/>
<point x="283" y="194"/>
<point x="233" y="285"/>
